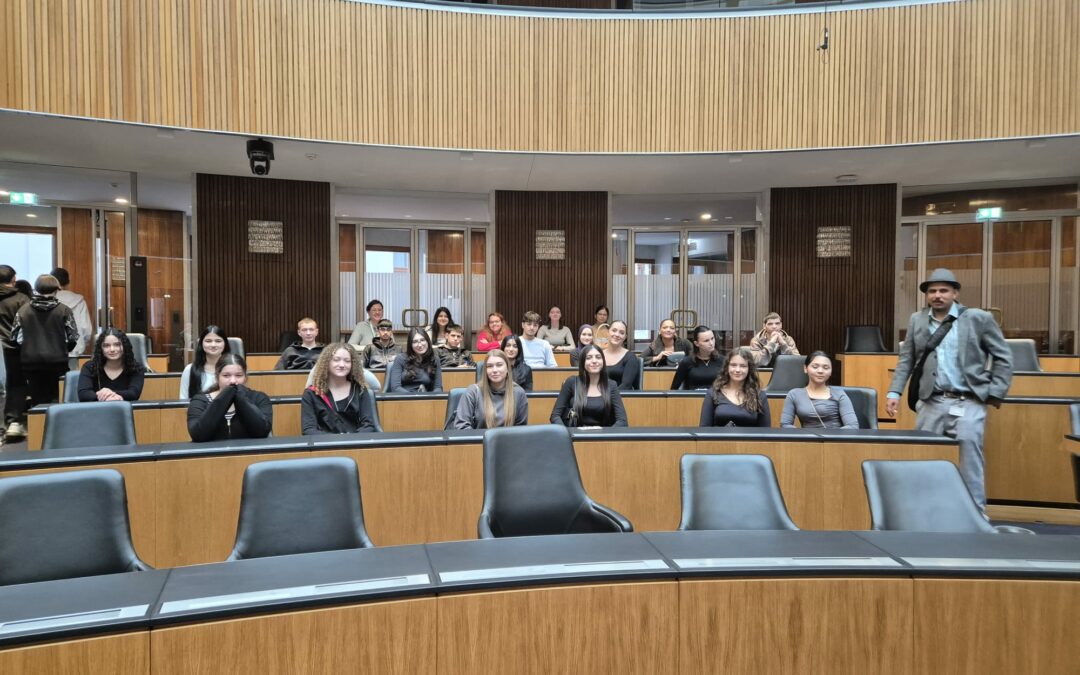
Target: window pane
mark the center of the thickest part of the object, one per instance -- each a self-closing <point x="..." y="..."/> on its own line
<point x="442" y="272"/>
<point x="347" y="277"/>
<point x="386" y="270"/>
<point x="748" y="321"/>
<point x="1069" y="291"/>
<point x="656" y="278"/>
<point x="1020" y="280"/>
<point x="31" y="254"/>
<point x="620" y="256"/>
<point x="710" y="282"/>
<point x="479" y="306"/>
<point x="911" y="298"/>
<point x="960" y="249"/>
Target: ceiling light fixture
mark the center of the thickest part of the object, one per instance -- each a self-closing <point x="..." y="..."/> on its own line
<point x="4" y="193"/>
<point x="121" y="200"/>
<point x="31" y="215"/>
<point x="847" y="178"/>
<point x="706" y="216"/>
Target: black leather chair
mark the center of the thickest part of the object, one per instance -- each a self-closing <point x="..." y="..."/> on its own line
<point x="293" y="506"/>
<point x="285" y="340"/>
<point x="71" y="386"/>
<point x="65" y="525"/>
<point x="532" y="486"/>
<point x="451" y="405"/>
<point x="139" y="349"/>
<point x="731" y="492"/>
<point x="864" y="400"/>
<point x="789" y="372"/>
<point x="1024" y="356"/>
<point x="87" y="425"/>
<point x="923" y="496"/>
<point x="864" y="339"/>
<point x="236" y="346"/>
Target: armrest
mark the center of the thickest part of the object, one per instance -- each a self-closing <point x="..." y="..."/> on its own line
<point x="483" y="526"/>
<point x="617" y="518"/>
<point x="1012" y="529"/>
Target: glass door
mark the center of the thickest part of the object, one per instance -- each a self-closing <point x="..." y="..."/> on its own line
<point x="656" y="280"/>
<point x="710" y="283"/>
<point x="1020" y="280"/>
<point x="388" y="270"/>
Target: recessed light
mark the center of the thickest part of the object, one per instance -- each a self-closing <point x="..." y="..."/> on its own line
<point x="667" y="218"/>
<point x="847" y="178"/>
<point x="120" y="200"/>
<point x="706" y="216"/>
<point x="467" y="218"/>
<point x="728" y="218"/>
<point x="715" y="219"/>
<point x="31" y="215"/>
<point x="407" y="215"/>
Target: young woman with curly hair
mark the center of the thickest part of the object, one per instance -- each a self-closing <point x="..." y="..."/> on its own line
<point x="736" y="398"/>
<point x="112" y="373"/>
<point x="336" y="403"/>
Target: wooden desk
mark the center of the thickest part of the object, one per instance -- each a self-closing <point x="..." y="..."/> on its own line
<point x="659" y="379"/>
<point x="123" y="654"/>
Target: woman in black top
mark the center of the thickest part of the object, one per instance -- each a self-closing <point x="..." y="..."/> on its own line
<point x="584" y="338"/>
<point x="112" y="374"/>
<point x="229" y="409"/>
<point x="335" y="403"/>
<point x="736" y="398"/>
<point x="623" y="368"/>
<point x="700" y="369"/>
<point x="588" y="400"/>
<point x="666" y="343"/>
<point x="440" y="326"/>
<point x="418" y="370"/>
<point x="521" y="372"/>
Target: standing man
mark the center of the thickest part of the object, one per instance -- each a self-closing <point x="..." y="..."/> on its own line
<point x="955" y="374"/>
<point x="77" y="304"/>
<point x="15" y="405"/>
<point x="535" y="352"/>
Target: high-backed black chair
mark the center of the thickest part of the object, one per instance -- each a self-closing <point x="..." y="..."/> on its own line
<point x="236" y="346"/>
<point x="731" y="492"/>
<point x="65" y="525"/>
<point x="293" y="506"/>
<point x="1024" y="355"/>
<point x="286" y="339"/>
<point x="923" y="496"/>
<point x="864" y="339"/>
<point x="864" y="400"/>
<point x="139" y="349"/>
<point x="789" y="372"/>
<point x="451" y="405"/>
<point x="86" y="425"/>
<point x="71" y="386"/>
<point x="532" y="487"/>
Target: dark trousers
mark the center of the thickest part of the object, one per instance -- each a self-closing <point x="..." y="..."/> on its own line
<point x="43" y="383"/>
<point x="15" y="407"/>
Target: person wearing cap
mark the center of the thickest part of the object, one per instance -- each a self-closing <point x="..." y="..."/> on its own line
<point x="955" y="383"/>
<point x="382" y="352"/>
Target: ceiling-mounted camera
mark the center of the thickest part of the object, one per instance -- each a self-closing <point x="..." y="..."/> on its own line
<point x="259" y="154"/>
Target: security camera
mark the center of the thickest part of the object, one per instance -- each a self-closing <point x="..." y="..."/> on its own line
<point x="260" y="153"/>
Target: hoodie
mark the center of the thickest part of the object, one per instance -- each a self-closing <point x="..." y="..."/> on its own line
<point x="10" y="302"/>
<point x="45" y="332"/>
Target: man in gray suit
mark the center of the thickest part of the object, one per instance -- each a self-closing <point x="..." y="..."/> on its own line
<point x="969" y="369"/>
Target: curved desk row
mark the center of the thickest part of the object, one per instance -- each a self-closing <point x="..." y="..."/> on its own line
<point x="184" y="498"/>
<point x="671" y="602"/>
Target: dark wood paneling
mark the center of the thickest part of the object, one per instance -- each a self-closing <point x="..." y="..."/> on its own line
<point x="445" y="253"/>
<point x="817" y="298"/>
<point x="77" y="255"/>
<point x="1010" y="199"/>
<point x="257" y="296"/>
<point x="576" y="284"/>
<point x="161" y="240"/>
<point x="347" y="247"/>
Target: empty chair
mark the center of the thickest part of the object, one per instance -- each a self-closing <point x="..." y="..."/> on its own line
<point x="286" y="339"/>
<point x="532" y="486"/>
<point x="864" y="401"/>
<point x="300" y="506"/>
<point x="139" y="349"/>
<point x="731" y="492"/>
<point x="451" y="406"/>
<point x="71" y="386"/>
<point x="789" y="372"/>
<point x="87" y="425"/>
<point x="922" y="496"/>
<point x="863" y="339"/>
<point x="236" y="346"/>
<point x="65" y="525"/>
<point x="1024" y="356"/>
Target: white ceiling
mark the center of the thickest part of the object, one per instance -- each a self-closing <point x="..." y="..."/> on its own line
<point x="383" y="182"/>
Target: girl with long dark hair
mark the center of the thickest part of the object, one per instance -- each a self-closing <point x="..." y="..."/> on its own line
<point x="699" y="371"/>
<point x="199" y="375"/>
<point x="589" y="399"/>
<point x="623" y="367"/>
<point x="229" y="409"/>
<point x="817" y="405"/>
<point x="440" y="326"/>
<point x="112" y="373"/>
<point x="418" y="370"/>
<point x="555" y="333"/>
<point x="736" y="398"/>
<point x="520" y="371"/>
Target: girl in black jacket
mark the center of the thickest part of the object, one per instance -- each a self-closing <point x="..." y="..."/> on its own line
<point x="112" y="374"/>
<point x="589" y="399"/>
<point x="230" y="410"/>
<point x="336" y="402"/>
<point x="520" y="372"/>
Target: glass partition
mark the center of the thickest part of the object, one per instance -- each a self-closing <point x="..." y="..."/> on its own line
<point x="656" y="278"/>
<point x="710" y="282"/>
<point x="1020" y="280"/>
<point x="442" y="272"/>
<point x="1068" y="287"/>
<point x="387" y="270"/>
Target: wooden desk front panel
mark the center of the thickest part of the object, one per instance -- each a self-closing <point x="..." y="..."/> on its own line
<point x="1059" y="363"/>
<point x="406" y="414"/>
<point x="453" y="378"/>
<point x="262" y="361"/>
<point x="397" y="637"/>
<point x="463" y="491"/>
<point x="605" y="628"/>
<point x="658" y="379"/>
<point x="279" y="383"/>
<point x="1046" y="384"/>
<point x="756" y="626"/>
<point x="125" y="654"/>
<point x="1025" y="459"/>
<point x="546" y="379"/>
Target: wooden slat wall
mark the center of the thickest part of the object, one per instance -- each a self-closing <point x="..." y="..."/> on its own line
<point x="816" y="299"/>
<point x="257" y="296"/>
<point x="349" y="71"/>
<point x="77" y="256"/>
<point x="576" y="284"/>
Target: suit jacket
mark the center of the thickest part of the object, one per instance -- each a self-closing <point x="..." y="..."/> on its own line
<point x="985" y="358"/>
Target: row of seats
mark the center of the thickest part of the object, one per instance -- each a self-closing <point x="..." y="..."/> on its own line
<point x="64" y="525"/>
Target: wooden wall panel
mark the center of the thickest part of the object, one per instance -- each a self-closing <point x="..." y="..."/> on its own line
<point x="77" y="255"/>
<point x="434" y="77"/>
<point x="257" y="296"/>
<point x="818" y="297"/>
<point x="576" y="284"/>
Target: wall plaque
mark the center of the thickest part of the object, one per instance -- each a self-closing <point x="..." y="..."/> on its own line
<point x="834" y="241"/>
<point x="266" y="236"/>
<point x="118" y="267"/>
<point x="551" y="245"/>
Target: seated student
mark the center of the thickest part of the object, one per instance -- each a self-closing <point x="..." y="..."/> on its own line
<point x="600" y="315"/>
<point x="381" y="353"/>
<point x="555" y="333"/>
<point x="520" y="371"/>
<point x="212" y="345"/>
<point x="485" y="404"/>
<point x="365" y="332"/>
<point x="771" y="341"/>
<point x="302" y="354"/>
<point x="418" y="370"/>
<point x="584" y="338"/>
<point x="453" y="354"/>
<point x="229" y="409"/>
<point x="492" y="335"/>
<point x="440" y="326"/>
<point x="817" y="405"/>
<point x="736" y="398"/>
<point x="666" y="344"/>
<point x="535" y="352"/>
<point x="335" y="402"/>
<point x="623" y="368"/>
<point x="700" y="368"/>
<point x="112" y="373"/>
<point x="589" y="400"/>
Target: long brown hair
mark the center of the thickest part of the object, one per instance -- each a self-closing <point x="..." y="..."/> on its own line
<point x="320" y="374"/>
<point x="509" y="402"/>
<point x="751" y="388"/>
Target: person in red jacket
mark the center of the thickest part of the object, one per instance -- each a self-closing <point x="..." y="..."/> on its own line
<point x="492" y="336"/>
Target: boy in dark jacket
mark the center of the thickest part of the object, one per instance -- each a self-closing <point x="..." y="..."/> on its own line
<point x="45" y="332"/>
<point x="303" y="354"/>
<point x="11" y="299"/>
<point x="453" y="354"/>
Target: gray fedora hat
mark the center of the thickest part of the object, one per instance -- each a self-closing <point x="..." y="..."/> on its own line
<point x="940" y="276"/>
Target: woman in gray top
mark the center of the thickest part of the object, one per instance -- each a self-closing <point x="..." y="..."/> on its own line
<point x="560" y="337"/>
<point x="818" y="406"/>
<point x="484" y="404"/>
<point x="365" y="332"/>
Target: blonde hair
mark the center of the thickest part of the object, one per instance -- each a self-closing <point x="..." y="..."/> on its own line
<point x="509" y="398"/>
<point x="306" y="319"/>
<point x="320" y="374"/>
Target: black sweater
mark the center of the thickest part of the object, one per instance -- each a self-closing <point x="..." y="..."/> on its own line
<point x="693" y="373"/>
<point x="254" y="416"/>
<point x="128" y="384"/>
<point x="593" y="415"/>
<point x="626" y="373"/>
<point x="317" y="416"/>
<point x="720" y="412"/>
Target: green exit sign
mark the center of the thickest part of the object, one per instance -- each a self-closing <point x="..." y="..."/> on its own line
<point x="23" y="198"/>
<point x="989" y="214"/>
